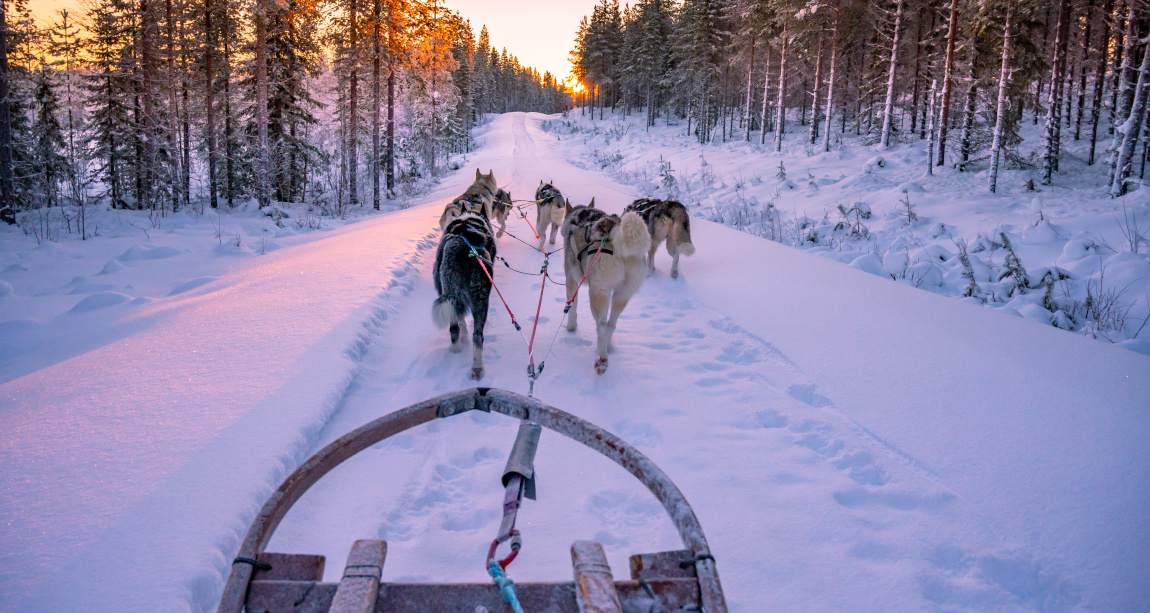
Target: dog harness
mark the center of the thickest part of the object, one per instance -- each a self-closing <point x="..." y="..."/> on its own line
<point x="545" y="193"/>
<point x="592" y="248"/>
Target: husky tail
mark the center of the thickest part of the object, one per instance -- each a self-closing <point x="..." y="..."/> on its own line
<point x="630" y="238"/>
<point x="447" y="309"/>
<point x="681" y="232"/>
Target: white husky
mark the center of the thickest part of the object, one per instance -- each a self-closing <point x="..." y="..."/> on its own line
<point x="612" y="251"/>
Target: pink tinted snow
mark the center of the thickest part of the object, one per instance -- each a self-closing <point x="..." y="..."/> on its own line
<point x="130" y="463"/>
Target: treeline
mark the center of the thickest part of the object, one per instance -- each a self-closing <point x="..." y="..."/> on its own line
<point x="962" y="75"/>
<point x="165" y="104"/>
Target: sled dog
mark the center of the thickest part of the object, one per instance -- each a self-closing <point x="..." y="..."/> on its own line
<point x="499" y="209"/>
<point x="477" y="199"/>
<point x="462" y="284"/>
<point x="621" y="245"/>
<point x="550" y="212"/>
<point x="666" y="220"/>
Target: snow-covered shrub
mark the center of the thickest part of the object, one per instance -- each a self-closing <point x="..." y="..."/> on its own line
<point x="668" y="177"/>
<point x="852" y="219"/>
<point x="972" y="290"/>
<point x="1014" y="270"/>
<point x="909" y="215"/>
<point x="1134" y="234"/>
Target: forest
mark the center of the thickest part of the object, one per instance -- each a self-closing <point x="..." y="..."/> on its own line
<point x="962" y="75"/>
<point x="162" y="105"/>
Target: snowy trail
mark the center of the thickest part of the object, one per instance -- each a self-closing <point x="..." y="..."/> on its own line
<point x="703" y="397"/>
<point x="848" y="444"/>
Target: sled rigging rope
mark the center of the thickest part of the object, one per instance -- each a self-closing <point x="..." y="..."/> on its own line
<point x="475" y="254"/>
<point x="566" y="311"/>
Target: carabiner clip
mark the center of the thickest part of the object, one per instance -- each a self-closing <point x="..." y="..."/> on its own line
<point x="516" y="543"/>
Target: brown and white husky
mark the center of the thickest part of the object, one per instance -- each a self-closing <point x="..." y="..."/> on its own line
<point x="477" y="199"/>
<point x="551" y="208"/>
<point x="666" y="220"/>
<point x="612" y="251"/>
<point x="500" y="206"/>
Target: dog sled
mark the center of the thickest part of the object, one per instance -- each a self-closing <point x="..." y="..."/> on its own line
<point x="683" y="580"/>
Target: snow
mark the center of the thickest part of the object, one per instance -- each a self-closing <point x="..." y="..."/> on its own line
<point x="810" y="209"/>
<point x="847" y="441"/>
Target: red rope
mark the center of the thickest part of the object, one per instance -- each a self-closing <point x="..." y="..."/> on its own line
<point x="538" y="309"/>
<point x="600" y="250"/>
<point x="533" y="230"/>
<point x="475" y="254"/>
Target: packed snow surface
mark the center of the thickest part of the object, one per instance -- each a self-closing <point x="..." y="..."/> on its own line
<point x="848" y="442"/>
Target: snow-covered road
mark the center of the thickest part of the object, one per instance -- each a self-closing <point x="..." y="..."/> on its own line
<point x="848" y="443"/>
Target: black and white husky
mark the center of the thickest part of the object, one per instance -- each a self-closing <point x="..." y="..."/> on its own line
<point x="551" y="208"/>
<point x="611" y="251"/>
<point x="666" y="220"/>
<point x="462" y="284"/>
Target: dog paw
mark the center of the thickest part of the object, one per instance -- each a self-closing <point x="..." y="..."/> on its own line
<point x="477" y="373"/>
<point x="600" y="366"/>
<point x="674" y="274"/>
<point x="456" y="347"/>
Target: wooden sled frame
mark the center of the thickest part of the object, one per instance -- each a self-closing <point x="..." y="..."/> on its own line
<point x="668" y="572"/>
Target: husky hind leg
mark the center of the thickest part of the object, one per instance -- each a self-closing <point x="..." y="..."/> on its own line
<point x="556" y="215"/>
<point x="479" y="317"/>
<point x="572" y="297"/>
<point x="600" y="311"/>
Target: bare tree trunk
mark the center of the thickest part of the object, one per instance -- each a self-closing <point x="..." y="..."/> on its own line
<point x="185" y="122"/>
<point x="1100" y="77"/>
<point x="750" y="79"/>
<point x="971" y="102"/>
<point x="377" y="13"/>
<point x="1131" y="129"/>
<point x="174" y="166"/>
<point x="831" y="79"/>
<point x="930" y="129"/>
<point x="7" y="183"/>
<point x="1041" y="51"/>
<point x="781" y="110"/>
<point x="1082" y="65"/>
<point x="1125" y="92"/>
<point x="353" y="101"/>
<point x="209" y="103"/>
<point x="229" y="120"/>
<point x="766" y="96"/>
<point x="1054" y="109"/>
<point x="149" y="107"/>
<point x="815" y="93"/>
<point x="927" y="77"/>
<point x="389" y="161"/>
<point x="1000" y="117"/>
<point x="263" y="191"/>
<point x="947" y="85"/>
<point x="888" y="106"/>
<point x="917" y="62"/>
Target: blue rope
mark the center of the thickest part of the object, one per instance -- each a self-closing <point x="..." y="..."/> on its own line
<point x="506" y="585"/>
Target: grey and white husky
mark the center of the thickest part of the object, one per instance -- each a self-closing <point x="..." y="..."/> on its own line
<point x="499" y="209"/>
<point x="666" y="220"/>
<point x="551" y="208"/>
<point x="462" y="284"/>
<point x="476" y="199"/>
<point x="611" y="250"/>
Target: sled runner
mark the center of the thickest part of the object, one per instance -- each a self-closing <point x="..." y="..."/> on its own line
<point x="684" y="580"/>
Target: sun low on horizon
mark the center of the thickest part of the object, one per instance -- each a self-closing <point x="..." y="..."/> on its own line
<point x="540" y="34"/>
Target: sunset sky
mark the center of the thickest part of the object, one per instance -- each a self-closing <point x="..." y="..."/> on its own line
<point x="539" y="33"/>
